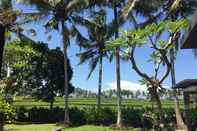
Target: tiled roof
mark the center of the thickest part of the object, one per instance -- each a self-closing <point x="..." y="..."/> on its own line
<point x="186" y="83"/>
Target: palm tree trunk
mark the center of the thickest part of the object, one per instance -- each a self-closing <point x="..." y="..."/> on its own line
<point x="8" y="70"/>
<point x="100" y="83"/>
<point x="179" y="118"/>
<point x="65" y="42"/>
<point x="2" y="43"/>
<point x="119" y="111"/>
<point x="119" y="99"/>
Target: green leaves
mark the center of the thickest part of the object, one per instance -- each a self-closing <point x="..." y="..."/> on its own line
<point x="17" y="54"/>
<point x="140" y="37"/>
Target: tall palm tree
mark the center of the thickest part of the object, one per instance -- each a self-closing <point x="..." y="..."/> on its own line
<point x="62" y="14"/>
<point x="7" y="19"/>
<point x="9" y="23"/>
<point x="118" y="84"/>
<point x="95" y="45"/>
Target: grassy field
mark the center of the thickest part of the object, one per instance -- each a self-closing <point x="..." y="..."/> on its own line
<point x="51" y="127"/>
<point x="85" y="102"/>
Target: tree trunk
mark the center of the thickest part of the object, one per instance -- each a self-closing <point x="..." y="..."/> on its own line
<point x="8" y="70"/>
<point x="1" y="126"/>
<point x="119" y="111"/>
<point x="161" y="122"/>
<point x="2" y="44"/>
<point x="179" y="119"/>
<point x="51" y="105"/>
<point x="65" y="45"/>
<point x="119" y="123"/>
<point x="100" y="83"/>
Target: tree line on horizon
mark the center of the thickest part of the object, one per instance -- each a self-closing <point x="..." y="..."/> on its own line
<point x="107" y="40"/>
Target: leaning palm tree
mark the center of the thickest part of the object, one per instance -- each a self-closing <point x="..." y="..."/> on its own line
<point x="63" y="16"/>
<point x="94" y="47"/>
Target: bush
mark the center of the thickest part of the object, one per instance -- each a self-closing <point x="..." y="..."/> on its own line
<point x="77" y="116"/>
<point x="90" y="115"/>
<point x="6" y="111"/>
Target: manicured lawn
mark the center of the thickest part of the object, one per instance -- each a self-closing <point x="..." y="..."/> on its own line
<point x="51" y="127"/>
<point x="31" y="127"/>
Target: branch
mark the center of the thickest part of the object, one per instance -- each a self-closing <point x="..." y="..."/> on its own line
<point x="163" y="52"/>
<point x="130" y="5"/>
<point x="172" y="38"/>
<point x="157" y="69"/>
<point x="136" y="68"/>
<point x="168" y="66"/>
<point x="165" y="58"/>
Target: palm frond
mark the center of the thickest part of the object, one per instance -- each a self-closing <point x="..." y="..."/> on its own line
<point x="80" y="39"/>
<point x="83" y="22"/>
<point x="86" y="55"/>
<point x="41" y="5"/>
<point x="93" y="64"/>
<point x="40" y="17"/>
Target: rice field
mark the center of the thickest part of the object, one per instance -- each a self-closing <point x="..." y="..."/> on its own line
<point x="87" y="102"/>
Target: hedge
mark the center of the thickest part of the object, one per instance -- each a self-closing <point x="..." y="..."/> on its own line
<point x="89" y="115"/>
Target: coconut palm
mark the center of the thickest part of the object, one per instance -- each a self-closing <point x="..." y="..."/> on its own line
<point x="63" y="16"/>
<point x="94" y="47"/>
<point x="7" y="20"/>
<point x="122" y="12"/>
<point x="9" y="23"/>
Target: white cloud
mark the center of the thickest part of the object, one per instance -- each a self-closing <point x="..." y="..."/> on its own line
<point x="127" y="85"/>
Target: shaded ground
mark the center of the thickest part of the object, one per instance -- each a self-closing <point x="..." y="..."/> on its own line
<point x="51" y="127"/>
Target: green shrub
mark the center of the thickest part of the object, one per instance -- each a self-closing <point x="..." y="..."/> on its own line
<point x="107" y="116"/>
<point x="7" y="112"/>
<point x="134" y="117"/>
<point x="77" y="116"/>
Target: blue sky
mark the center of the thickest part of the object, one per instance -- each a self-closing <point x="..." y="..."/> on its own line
<point x="185" y="62"/>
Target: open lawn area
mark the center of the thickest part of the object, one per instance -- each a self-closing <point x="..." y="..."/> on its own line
<point x="51" y="127"/>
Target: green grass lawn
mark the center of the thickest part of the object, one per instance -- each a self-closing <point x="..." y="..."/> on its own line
<point x="51" y="127"/>
<point x="31" y="127"/>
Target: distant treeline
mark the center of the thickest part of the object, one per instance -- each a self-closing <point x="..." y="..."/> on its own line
<point x="126" y="94"/>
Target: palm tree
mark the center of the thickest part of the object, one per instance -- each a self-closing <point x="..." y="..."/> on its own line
<point x="118" y="84"/>
<point x="94" y="47"/>
<point x="7" y="19"/>
<point x="63" y="14"/>
<point x="8" y="23"/>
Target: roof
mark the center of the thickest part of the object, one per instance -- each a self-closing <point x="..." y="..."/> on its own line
<point x="189" y="40"/>
<point x="186" y="83"/>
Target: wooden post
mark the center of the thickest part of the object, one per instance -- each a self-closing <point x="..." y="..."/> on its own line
<point x="187" y="110"/>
